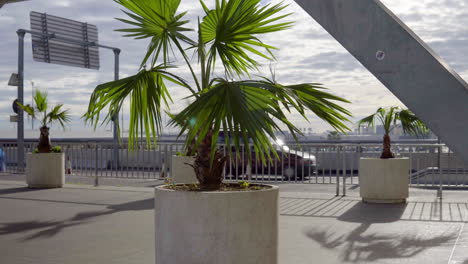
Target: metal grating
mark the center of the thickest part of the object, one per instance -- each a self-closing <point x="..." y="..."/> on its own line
<point x="70" y="44"/>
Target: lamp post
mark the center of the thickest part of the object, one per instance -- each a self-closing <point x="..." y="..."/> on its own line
<point x="32" y="104"/>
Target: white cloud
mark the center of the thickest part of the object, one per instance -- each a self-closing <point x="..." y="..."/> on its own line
<point x="307" y="53"/>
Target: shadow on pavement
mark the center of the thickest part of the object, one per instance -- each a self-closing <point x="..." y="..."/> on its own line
<point x="352" y="210"/>
<point x="361" y="245"/>
<point x="17" y="190"/>
<point x="45" y="229"/>
<point x="373" y="213"/>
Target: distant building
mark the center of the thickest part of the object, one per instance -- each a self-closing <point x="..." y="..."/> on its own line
<point x="365" y="130"/>
<point x="394" y="131"/>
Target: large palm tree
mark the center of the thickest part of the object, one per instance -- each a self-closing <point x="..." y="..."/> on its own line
<point x="227" y="35"/>
<point x="39" y="111"/>
<point x="390" y="118"/>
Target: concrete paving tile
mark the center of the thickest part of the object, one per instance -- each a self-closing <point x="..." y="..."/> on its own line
<point x="47" y="228"/>
<point x="82" y="224"/>
<point x="333" y="241"/>
<point x="459" y="254"/>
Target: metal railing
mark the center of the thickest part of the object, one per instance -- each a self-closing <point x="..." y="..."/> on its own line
<point x="432" y="164"/>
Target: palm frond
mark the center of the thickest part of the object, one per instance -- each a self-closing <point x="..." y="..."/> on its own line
<point x="308" y="96"/>
<point x="28" y="109"/>
<point x="59" y="115"/>
<point x="159" y="21"/>
<point x="367" y="121"/>
<point x="251" y="110"/>
<point x="232" y="27"/>
<point x="147" y="92"/>
<point x="40" y="99"/>
<point x="411" y="124"/>
<point x="244" y="110"/>
<point x="383" y="115"/>
<point x="389" y="118"/>
<point x="312" y="97"/>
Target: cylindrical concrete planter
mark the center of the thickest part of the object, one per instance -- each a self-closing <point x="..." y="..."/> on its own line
<point x="181" y="172"/>
<point x="45" y="170"/>
<point x="216" y="227"/>
<point x="384" y="180"/>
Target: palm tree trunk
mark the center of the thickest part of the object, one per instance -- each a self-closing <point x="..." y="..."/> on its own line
<point x="387" y="153"/>
<point x="191" y="148"/>
<point x="210" y="177"/>
<point x="44" y="142"/>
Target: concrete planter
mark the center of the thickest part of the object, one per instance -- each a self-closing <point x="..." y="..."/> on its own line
<point x="216" y="227"/>
<point x="384" y="180"/>
<point x="181" y="172"/>
<point x="45" y="170"/>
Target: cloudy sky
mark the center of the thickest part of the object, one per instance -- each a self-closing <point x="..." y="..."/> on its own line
<point x="306" y="54"/>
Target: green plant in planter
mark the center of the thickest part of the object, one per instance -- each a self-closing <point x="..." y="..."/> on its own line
<point x="228" y="36"/>
<point x="56" y="149"/>
<point x="40" y="113"/>
<point x="390" y="118"/>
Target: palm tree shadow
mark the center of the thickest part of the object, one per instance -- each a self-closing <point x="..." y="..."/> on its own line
<point x="146" y="204"/>
<point x="373" y="213"/>
<point x="17" y="190"/>
<point x="359" y="245"/>
<point x="47" y="229"/>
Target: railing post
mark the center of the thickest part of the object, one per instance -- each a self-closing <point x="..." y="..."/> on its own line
<point x="338" y="175"/>
<point x="96" y="177"/>
<point x="164" y="165"/>
<point x="344" y="173"/>
<point x="249" y="172"/>
<point x="439" y="192"/>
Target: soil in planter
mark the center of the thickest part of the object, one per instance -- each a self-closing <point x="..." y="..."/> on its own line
<point x="225" y="187"/>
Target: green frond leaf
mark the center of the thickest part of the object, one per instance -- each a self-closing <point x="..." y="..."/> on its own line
<point x="158" y="21"/>
<point x="147" y="92"/>
<point x="40" y="99"/>
<point x="28" y="109"/>
<point x="57" y="115"/>
<point x="232" y="27"/>
<point x="392" y="116"/>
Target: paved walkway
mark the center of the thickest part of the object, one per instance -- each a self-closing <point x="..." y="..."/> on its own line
<point x="83" y="224"/>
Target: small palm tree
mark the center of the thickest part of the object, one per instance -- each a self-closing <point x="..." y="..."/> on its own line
<point x="249" y="109"/>
<point x="390" y="118"/>
<point x="40" y="113"/>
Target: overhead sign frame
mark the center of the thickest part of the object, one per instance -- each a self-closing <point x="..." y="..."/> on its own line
<point x="86" y="42"/>
<point x="64" y="41"/>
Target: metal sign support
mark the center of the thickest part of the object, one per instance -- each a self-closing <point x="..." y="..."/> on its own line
<point x="116" y="117"/>
<point x="20" y="126"/>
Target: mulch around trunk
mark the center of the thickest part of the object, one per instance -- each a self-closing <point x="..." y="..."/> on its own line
<point x="225" y="187"/>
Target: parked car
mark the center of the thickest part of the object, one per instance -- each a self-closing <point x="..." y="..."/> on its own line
<point x="291" y="164"/>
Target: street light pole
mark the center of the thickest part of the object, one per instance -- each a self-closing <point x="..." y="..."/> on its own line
<point x="116" y="115"/>
<point x="32" y="104"/>
<point x="20" y="126"/>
